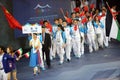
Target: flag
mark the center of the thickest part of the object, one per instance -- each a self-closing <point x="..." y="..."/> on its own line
<point x="49" y="27"/>
<point x="11" y="20"/>
<point x="20" y="51"/>
<point x="108" y="21"/>
<point x="69" y="20"/>
<point x="92" y="6"/>
<point x="82" y="14"/>
<point x="115" y="30"/>
<point x="27" y="55"/>
<point x="77" y="9"/>
<point x="115" y="27"/>
<point x="84" y="20"/>
<point x="66" y="14"/>
<point x="41" y="22"/>
<point x="85" y="8"/>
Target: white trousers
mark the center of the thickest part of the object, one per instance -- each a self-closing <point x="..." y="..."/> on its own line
<point x="91" y="39"/>
<point x="42" y="61"/>
<point x="100" y="39"/>
<point x="76" y="47"/>
<point x="54" y="48"/>
<point x="82" y="43"/>
<point x="51" y="49"/>
<point x="60" y="52"/>
<point x="3" y="75"/>
<point x="68" y="49"/>
<point x="106" y="43"/>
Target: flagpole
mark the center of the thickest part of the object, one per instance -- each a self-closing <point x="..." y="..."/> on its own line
<point x="15" y="51"/>
<point x="33" y="43"/>
<point x="1" y="4"/>
<point x="62" y="11"/>
<point x="110" y="9"/>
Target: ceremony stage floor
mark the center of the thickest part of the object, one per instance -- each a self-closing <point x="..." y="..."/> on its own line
<point x="103" y="64"/>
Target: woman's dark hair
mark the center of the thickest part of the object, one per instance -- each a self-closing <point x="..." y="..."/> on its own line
<point x="45" y="21"/>
<point x="2" y="48"/>
<point x="35" y="33"/>
<point x="61" y="27"/>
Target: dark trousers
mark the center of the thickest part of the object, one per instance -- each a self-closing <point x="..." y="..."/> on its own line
<point x="46" y="52"/>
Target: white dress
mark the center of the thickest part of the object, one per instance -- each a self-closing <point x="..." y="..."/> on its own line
<point x="3" y="75"/>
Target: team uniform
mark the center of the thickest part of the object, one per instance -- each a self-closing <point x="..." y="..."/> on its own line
<point x="76" y="40"/>
<point x="99" y="30"/>
<point x="68" y="42"/>
<point x="91" y="36"/>
<point x="82" y="28"/>
<point x="54" y="43"/>
<point x="60" y="43"/>
<point x="103" y="21"/>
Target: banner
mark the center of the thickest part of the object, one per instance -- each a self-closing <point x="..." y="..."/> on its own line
<point x="32" y="11"/>
<point x="31" y="28"/>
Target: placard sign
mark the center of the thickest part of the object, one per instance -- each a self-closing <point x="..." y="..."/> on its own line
<point x="34" y="28"/>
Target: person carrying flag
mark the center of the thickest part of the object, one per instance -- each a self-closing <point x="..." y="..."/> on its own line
<point x="36" y="58"/>
<point x="9" y="50"/>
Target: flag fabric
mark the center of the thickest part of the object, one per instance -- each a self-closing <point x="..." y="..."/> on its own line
<point x="49" y="27"/>
<point x="27" y="55"/>
<point x="11" y="20"/>
<point x="20" y="51"/>
<point x="67" y="14"/>
<point x="92" y="6"/>
<point x="84" y="20"/>
<point x="82" y="14"/>
<point x="108" y="21"/>
<point x="69" y="20"/>
<point x="77" y="9"/>
<point x="115" y="30"/>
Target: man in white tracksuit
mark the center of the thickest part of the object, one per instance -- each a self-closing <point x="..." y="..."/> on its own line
<point x="76" y="39"/>
<point x="54" y="30"/>
<point x="82" y="28"/>
<point x="60" y="40"/>
<point x="103" y="18"/>
<point x="68" y="40"/>
<point x="99" y="30"/>
<point x="91" y="35"/>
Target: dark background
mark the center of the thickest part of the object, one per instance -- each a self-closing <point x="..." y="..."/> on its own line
<point x="6" y="33"/>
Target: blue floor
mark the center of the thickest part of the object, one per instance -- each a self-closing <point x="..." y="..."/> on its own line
<point x="100" y="65"/>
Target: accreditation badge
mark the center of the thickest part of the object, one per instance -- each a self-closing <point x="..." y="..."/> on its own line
<point x="0" y="65"/>
<point x="42" y="42"/>
<point x="58" y="40"/>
